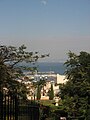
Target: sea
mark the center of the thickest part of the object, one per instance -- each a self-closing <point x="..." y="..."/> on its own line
<point x="56" y="67"/>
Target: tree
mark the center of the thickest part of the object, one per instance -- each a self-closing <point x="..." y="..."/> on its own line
<point x="75" y="93"/>
<point x="10" y="57"/>
<point x="38" y="92"/>
<point x="51" y="93"/>
<point x="39" y="85"/>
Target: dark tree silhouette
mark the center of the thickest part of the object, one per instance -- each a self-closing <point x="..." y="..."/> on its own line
<point x="10" y="57"/>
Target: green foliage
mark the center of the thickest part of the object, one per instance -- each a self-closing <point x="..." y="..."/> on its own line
<point x="38" y="92"/>
<point x="75" y="93"/>
<point x="10" y="56"/>
<point x="51" y="111"/>
<point x="39" y="85"/>
<point x="49" y="103"/>
<point x="51" y="93"/>
<point x="88" y="114"/>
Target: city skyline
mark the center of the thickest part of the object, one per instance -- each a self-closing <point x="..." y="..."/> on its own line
<point x="47" y="26"/>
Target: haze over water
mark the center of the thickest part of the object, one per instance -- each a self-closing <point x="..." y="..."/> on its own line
<point x="56" y="67"/>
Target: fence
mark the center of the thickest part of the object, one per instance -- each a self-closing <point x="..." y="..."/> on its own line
<point x="28" y="110"/>
<point x="8" y="106"/>
<point x="11" y="108"/>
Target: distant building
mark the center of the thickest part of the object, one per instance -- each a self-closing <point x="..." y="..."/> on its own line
<point x="49" y="77"/>
<point x="61" y="79"/>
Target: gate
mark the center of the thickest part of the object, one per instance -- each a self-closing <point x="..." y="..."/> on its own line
<point x="11" y="108"/>
<point x="8" y="106"/>
<point x="28" y="110"/>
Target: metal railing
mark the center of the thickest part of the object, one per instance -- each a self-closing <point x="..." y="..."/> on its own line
<point x="11" y="108"/>
<point x="8" y="106"/>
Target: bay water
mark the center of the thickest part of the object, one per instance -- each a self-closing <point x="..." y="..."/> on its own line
<point x="55" y="67"/>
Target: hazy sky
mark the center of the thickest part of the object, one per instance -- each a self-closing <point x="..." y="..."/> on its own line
<point x="47" y="26"/>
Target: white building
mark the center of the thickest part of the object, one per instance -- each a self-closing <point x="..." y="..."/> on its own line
<point x="51" y="78"/>
<point x="61" y="79"/>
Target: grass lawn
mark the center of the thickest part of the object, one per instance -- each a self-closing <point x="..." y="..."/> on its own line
<point x="47" y="102"/>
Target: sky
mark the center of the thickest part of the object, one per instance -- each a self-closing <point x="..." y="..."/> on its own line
<point x="46" y="26"/>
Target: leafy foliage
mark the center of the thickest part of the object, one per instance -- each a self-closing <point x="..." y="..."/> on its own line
<point x="75" y="93"/>
<point x="39" y="84"/>
<point x="51" y="93"/>
<point x="38" y="92"/>
<point x="10" y="56"/>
